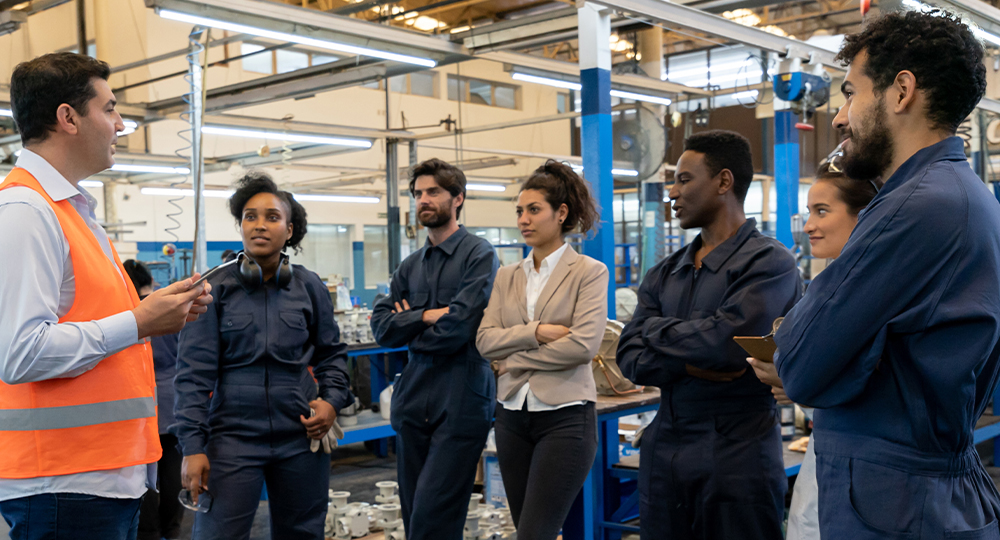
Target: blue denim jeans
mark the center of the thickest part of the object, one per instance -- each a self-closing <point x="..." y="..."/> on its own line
<point x="59" y="516"/>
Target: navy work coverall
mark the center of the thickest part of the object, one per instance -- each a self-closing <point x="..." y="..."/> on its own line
<point x="442" y="404"/>
<point x="710" y="464"/>
<point x="895" y="344"/>
<point x="251" y="351"/>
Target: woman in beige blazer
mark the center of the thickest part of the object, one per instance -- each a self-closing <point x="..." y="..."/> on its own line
<point x="542" y="328"/>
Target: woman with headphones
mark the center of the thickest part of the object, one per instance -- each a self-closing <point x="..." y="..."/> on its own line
<point x="249" y="412"/>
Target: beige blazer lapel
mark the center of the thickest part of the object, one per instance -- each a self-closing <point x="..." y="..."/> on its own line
<point x="559" y="273"/>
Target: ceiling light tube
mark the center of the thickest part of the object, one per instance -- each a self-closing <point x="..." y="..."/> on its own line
<point x="497" y="188"/>
<point x="292" y="38"/>
<point x="640" y="97"/>
<point x="130" y="127"/>
<point x="336" y="198"/>
<point x="91" y="183"/>
<point x="153" y="169"/>
<point x="615" y="172"/>
<point x="280" y="136"/>
<point x="568" y="85"/>
<point x="7" y="112"/>
<point x="174" y="192"/>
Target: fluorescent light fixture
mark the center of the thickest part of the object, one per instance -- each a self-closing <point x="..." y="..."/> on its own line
<point x="546" y="81"/>
<point x="91" y="183"/>
<point x="153" y="169"/>
<point x="336" y="198"/>
<point x="130" y="127"/>
<point x="577" y="86"/>
<point x="640" y="97"/>
<point x="615" y="172"/>
<point x="497" y="188"/>
<point x="976" y="31"/>
<point x="280" y="136"/>
<point x="174" y="192"/>
<point x="7" y="112"/>
<point x="292" y="38"/>
<point x="739" y="95"/>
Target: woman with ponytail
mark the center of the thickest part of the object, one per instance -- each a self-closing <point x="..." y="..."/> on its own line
<point x="543" y="326"/>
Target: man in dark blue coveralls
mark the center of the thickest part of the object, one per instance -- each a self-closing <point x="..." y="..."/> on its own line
<point x="710" y="464"/>
<point x="895" y="343"/>
<point x="442" y="405"/>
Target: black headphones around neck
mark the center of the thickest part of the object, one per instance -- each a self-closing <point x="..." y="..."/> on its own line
<point x="252" y="277"/>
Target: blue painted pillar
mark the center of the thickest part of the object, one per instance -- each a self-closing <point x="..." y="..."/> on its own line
<point x="595" y="131"/>
<point x="359" y="269"/>
<point x="786" y="172"/>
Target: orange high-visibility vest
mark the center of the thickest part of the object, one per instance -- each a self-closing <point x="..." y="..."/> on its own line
<point x="103" y="419"/>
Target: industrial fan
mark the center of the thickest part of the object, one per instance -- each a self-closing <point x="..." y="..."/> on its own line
<point x="639" y="139"/>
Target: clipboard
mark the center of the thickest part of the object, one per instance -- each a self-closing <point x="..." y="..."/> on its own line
<point x="761" y="348"/>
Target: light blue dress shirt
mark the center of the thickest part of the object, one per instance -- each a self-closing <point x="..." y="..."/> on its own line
<point x="37" y="287"/>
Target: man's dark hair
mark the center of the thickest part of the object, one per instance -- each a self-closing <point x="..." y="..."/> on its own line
<point x="940" y="51"/>
<point x="257" y="182"/>
<point x="725" y="150"/>
<point x="447" y="176"/>
<point x="38" y="87"/>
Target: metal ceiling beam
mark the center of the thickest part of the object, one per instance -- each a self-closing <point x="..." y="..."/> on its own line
<point x="696" y="19"/>
<point x="296" y="84"/>
<point x="637" y="82"/>
<point x="318" y="25"/>
<point x="298" y="126"/>
<point x="299" y="152"/>
<point x="549" y="27"/>
<point x="494" y="127"/>
<point x="985" y="15"/>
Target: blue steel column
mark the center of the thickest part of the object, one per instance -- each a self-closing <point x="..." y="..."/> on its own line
<point x="595" y="132"/>
<point x="786" y="172"/>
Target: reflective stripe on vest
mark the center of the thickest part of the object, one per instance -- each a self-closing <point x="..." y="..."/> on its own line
<point x="77" y="415"/>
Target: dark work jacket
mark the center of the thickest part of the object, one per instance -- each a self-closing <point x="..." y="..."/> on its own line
<point x="253" y="349"/>
<point x="688" y="316"/>
<point x="896" y="341"/>
<point x="445" y="372"/>
<point x="165" y="366"/>
<point x="458" y="275"/>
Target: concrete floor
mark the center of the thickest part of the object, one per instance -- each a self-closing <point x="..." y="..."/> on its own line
<point x="355" y="470"/>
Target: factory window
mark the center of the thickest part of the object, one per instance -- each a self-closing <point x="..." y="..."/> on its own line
<point x="723" y="68"/>
<point x="562" y="103"/>
<point x="376" y="255"/>
<point x="287" y="60"/>
<point x="327" y="251"/>
<point x="258" y="63"/>
<point x="627" y="223"/>
<point x="482" y="92"/>
<point x="418" y="84"/>
<point x="280" y="60"/>
<point x="320" y="59"/>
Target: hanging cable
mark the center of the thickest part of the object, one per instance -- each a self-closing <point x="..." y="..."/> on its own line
<point x="193" y="58"/>
<point x="286" y="149"/>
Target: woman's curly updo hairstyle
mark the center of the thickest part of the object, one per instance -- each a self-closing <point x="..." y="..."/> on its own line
<point x="562" y="185"/>
<point x="256" y="182"/>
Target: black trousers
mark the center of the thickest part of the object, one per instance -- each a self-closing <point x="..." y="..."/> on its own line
<point x="161" y="513"/>
<point x="544" y="460"/>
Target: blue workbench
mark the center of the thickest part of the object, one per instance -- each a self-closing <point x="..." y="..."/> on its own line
<point x="385" y="362"/>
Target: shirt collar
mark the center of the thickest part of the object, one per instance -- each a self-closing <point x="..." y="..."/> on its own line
<point x="950" y="149"/>
<point x="54" y="183"/>
<point x="715" y="258"/>
<point x="547" y="263"/>
<point x="451" y="244"/>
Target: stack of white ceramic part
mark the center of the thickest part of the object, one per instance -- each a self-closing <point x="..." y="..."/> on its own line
<point x="392" y="522"/>
<point x="337" y="511"/>
<point x="387" y="492"/>
<point x="472" y="530"/>
<point x="348" y="416"/>
<point x="354" y="524"/>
